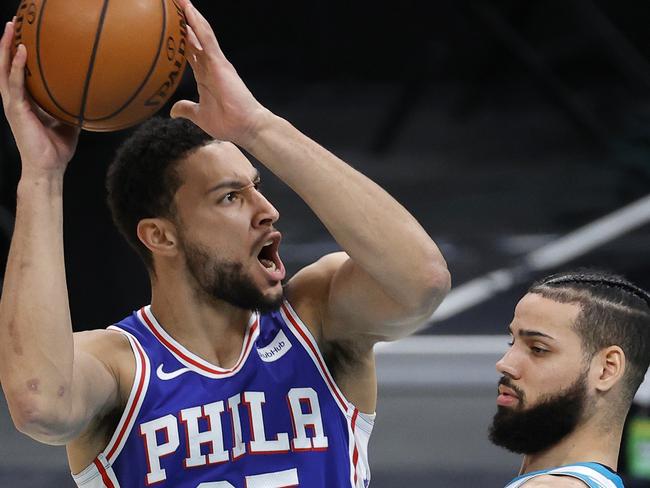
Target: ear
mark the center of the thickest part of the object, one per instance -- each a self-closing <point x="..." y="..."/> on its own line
<point x="610" y="367"/>
<point x="159" y="236"/>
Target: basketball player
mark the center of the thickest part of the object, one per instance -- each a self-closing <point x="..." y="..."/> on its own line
<point x="580" y="349"/>
<point x="226" y="379"/>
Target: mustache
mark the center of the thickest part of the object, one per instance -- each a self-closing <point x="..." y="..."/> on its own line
<point x="507" y="382"/>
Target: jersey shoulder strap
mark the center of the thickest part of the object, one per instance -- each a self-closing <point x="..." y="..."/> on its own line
<point x="593" y="475"/>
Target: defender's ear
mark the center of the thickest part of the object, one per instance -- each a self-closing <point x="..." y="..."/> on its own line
<point x="611" y="364"/>
<point x="159" y="236"/>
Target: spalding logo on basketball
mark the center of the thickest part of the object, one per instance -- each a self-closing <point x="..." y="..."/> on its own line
<point x="102" y="65"/>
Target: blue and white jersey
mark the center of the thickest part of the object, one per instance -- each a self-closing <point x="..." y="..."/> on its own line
<point x="593" y="475"/>
<point x="276" y="419"/>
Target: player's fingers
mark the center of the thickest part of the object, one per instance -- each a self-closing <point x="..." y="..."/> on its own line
<point x="193" y="41"/>
<point x="17" y="74"/>
<point x="5" y="56"/>
<point x="186" y="110"/>
<point x="193" y="62"/>
<point x="194" y="53"/>
<point x="203" y="30"/>
<point x="183" y="4"/>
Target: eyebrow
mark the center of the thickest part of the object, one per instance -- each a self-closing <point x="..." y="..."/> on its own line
<point x="531" y="333"/>
<point x="233" y="183"/>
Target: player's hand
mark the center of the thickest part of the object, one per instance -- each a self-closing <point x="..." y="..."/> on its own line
<point x="227" y="110"/>
<point x="46" y="145"/>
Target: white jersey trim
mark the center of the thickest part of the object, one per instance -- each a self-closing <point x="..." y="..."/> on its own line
<point x="359" y="425"/>
<point x="584" y="470"/>
<point x="191" y="360"/>
<point x="572" y="471"/>
<point x="136" y="397"/>
<point x="100" y="473"/>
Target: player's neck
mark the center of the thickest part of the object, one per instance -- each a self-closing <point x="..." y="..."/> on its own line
<point x="213" y="330"/>
<point x="586" y="444"/>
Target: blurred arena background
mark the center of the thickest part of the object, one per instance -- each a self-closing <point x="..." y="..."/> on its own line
<point x="501" y="125"/>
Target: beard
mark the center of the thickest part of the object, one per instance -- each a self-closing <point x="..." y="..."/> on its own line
<point x="226" y="280"/>
<point x="541" y="426"/>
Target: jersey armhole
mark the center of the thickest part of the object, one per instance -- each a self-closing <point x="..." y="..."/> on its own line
<point x="99" y="473"/>
<point x="301" y="332"/>
<point x="135" y="400"/>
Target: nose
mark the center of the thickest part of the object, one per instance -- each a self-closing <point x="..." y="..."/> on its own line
<point x="265" y="213"/>
<point x="507" y="365"/>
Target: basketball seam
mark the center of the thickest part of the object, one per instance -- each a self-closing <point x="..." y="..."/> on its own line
<point x="91" y="67"/>
<point x="148" y="75"/>
<point x="40" y="66"/>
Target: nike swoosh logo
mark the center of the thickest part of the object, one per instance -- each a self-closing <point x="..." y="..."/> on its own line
<point x="170" y="376"/>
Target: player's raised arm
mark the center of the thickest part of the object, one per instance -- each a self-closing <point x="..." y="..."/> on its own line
<point x="394" y="276"/>
<point x="36" y="341"/>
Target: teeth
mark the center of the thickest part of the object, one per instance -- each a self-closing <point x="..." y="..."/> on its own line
<point x="268" y="264"/>
<point x="268" y="243"/>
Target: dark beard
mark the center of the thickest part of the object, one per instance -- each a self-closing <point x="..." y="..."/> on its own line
<point x="536" y="429"/>
<point x="225" y="280"/>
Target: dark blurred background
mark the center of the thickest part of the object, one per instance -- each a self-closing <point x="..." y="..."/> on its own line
<point x="501" y="125"/>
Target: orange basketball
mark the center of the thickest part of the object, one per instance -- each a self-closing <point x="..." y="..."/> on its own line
<point x="102" y="65"/>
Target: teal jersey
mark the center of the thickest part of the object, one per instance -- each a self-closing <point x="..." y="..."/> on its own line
<point x="593" y="475"/>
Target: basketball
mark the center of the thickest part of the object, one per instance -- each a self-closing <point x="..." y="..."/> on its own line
<point x="102" y="65"/>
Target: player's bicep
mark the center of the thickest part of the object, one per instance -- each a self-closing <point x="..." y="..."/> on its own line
<point x="350" y="304"/>
<point x="358" y="306"/>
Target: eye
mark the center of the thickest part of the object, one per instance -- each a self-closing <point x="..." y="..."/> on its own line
<point x="538" y="350"/>
<point x="229" y="197"/>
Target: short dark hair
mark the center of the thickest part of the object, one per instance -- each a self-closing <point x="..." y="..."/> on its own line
<point x="143" y="178"/>
<point x="614" y="311"/>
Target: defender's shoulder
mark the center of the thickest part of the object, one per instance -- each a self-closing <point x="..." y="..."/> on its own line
<point x="554" y="481"/>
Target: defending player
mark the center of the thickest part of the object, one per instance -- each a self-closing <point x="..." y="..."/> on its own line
<point x="220" y="382"/>
<point x="580" y="349"/>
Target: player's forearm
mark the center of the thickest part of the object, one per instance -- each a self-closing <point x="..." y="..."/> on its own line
<point x="36" y="348"/>
<point x="372" y="227"/>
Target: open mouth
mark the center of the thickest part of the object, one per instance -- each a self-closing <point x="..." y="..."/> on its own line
<point x="269" y="257"/>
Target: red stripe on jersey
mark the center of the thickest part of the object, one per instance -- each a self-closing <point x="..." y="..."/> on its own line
<point x="143" y="375"/>
<point x="317" y="356"/>
<point x="193" y="362"/>
<point x="102" y="471"/>
<point x="355" y="455"/>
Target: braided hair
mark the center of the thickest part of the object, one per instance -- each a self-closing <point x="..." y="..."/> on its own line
<point x="614" y="311"/>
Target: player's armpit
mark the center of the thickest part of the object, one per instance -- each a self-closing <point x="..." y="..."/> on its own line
<point x="93" y="392"/>
<point x="554" y="481"/>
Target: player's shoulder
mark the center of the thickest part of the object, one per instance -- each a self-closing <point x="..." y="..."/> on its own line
<point x="554" y="481"/>
<point x="308" y="289"/>
<point x="110" y="346"/>
<point x="113" y="349"/>
<point x="99" y="338"/>
<point x="318" y="274"/>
